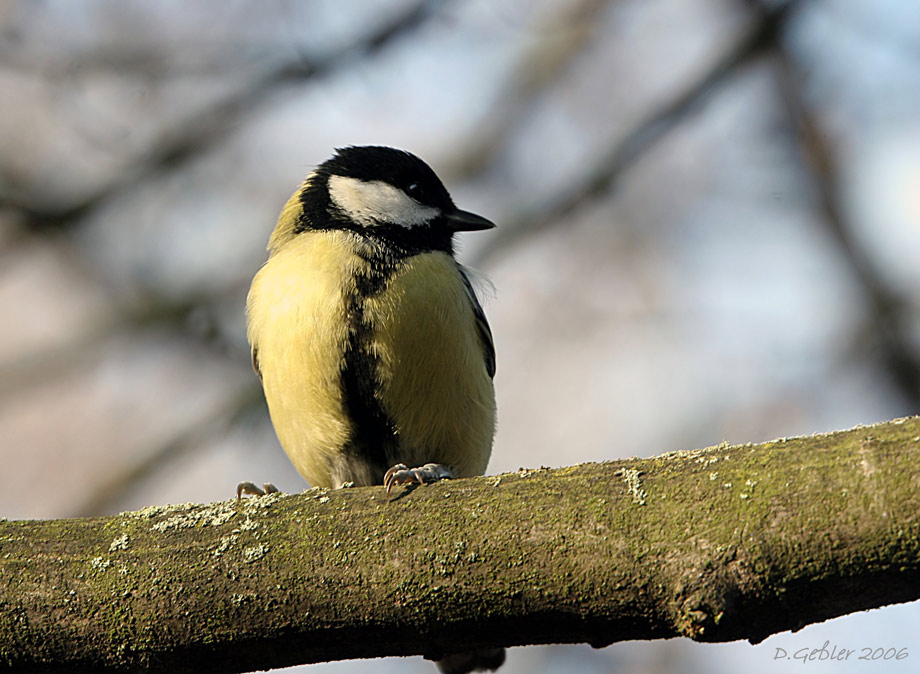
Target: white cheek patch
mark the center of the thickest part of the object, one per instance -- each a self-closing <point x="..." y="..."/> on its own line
<point x="373" y="202"/>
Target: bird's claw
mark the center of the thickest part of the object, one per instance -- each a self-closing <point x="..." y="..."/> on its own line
<point x="254" y="490"/>
<point x="402" y="474"/>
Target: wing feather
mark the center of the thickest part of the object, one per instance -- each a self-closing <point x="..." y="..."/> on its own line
<point x="482" y="325"/>
<point x="255" y="362"/>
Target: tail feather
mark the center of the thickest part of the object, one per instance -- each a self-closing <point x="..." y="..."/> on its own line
<point x="486" y="660"/>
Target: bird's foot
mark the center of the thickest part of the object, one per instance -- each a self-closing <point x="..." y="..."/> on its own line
<point x="402" y="474"/>
<point x="254" y="490"/>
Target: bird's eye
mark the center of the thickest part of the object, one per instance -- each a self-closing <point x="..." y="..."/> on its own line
<point x="415" y="191"/>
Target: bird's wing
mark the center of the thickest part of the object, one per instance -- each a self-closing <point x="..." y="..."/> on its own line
<point x="482" y="325"/>
<point x="255" y="361"/>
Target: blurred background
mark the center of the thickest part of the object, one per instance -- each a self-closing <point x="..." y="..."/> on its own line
<point x="709" y="230"/>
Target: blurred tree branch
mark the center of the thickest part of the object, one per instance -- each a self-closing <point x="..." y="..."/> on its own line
<point x="140" y="315"/>
<point x="889" y="312"/>
<point x="104" y="494"/>
<point x="143" y="315"/>
<point x="568" y="32"/>
<point x="600" y="179"/>
<point x="205" y="128"/>
<point x="717" y="544"/>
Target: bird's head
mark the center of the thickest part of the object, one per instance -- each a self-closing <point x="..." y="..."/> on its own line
<point x="381" y="193"/>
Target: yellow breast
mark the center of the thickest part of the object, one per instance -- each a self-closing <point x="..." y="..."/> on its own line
<point x="430" y="379"/>
<point x="434" y="383"/>
<point x="296" y="321"/>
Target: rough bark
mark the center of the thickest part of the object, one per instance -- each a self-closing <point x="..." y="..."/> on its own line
<point x="715" y="544"/>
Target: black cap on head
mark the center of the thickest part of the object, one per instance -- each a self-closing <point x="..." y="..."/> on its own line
<point x="397" y="167"/>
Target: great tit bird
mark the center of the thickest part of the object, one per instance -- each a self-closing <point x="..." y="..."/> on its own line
<point x="373" y="350"/>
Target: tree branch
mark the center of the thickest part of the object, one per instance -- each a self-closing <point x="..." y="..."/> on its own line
<point x="716" y="544"/>
<point x="205" y="128"/>
<point x="890" y="312"/>
<point x="604" y="176"/>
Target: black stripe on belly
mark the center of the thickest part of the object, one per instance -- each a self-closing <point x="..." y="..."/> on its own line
<point x="373" y="437"/>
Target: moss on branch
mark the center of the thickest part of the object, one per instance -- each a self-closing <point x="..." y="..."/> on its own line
<point x="717" y="544"/>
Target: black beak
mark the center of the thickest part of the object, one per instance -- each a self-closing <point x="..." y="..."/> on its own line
<point x="464" y="221"/>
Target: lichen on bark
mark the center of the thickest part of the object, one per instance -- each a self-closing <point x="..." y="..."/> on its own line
<point x="717" y="544"/>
